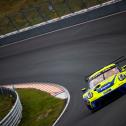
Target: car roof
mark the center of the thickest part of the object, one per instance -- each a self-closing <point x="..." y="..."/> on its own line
<point x="101" y="70"/>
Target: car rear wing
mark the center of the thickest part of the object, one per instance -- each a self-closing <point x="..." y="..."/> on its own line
<point x="116" y="61"/>
<point x="119" y="60"/>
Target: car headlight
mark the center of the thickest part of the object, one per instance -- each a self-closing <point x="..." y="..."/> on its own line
<point x="89" y="95"/>
<point x="121" y="77"/>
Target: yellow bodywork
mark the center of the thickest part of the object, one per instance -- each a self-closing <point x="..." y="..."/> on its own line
<point x="116" y="84"/>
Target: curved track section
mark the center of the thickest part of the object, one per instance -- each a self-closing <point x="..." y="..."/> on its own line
<point x="65" y="57"/>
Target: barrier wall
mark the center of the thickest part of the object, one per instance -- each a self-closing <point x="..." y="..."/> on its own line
<point x="14" y="116"/>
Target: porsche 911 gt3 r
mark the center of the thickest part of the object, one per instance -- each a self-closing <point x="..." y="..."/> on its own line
<point x="104" y="83"/>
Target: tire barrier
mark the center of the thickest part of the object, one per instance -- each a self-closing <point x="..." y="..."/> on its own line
<point x="15" y="114"/>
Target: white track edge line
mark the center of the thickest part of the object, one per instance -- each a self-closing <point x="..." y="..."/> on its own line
<point x="18" y="42"/>
<point x="68" y="101"/>
<point x="62" y="17"/>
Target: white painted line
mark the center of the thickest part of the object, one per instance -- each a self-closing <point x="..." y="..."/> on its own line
<point x="36" y="85"/>
<point x="61" y="95"/>
<point x="68" y="101"/>
<point x="62" y="17"/>
<point x="18" y="42"/>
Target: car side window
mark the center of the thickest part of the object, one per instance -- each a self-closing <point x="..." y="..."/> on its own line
<point x="111" y="72"/>
<point x="96" y="80"/>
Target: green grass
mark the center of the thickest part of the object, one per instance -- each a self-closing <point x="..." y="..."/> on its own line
<point x="16" y="8"/>
<point x="39" y="108"/>
<point x="6" y="103"/>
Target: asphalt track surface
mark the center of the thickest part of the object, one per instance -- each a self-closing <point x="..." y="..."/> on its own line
<point x="65" y="57"/>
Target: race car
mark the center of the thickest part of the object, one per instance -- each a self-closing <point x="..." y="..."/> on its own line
<point x="104" y="84"/>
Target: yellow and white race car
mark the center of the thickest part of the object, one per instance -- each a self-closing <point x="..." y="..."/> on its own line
<point x="104" y="83"/>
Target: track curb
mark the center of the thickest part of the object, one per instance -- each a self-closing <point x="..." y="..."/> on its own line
<point x="68" y="101"/>
<point x="51" y="84"/>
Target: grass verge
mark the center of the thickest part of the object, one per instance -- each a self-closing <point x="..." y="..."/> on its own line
<point x="6" y="103"/>
<point x="39" y="108"/>
<point x="17" y="14"/>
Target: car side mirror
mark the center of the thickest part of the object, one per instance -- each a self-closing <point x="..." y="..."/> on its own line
<point x="83" y="90"/>
<point x="86" y="78"/>
<point x="96" y="87"/>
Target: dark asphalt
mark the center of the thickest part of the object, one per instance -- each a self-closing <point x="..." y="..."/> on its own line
<point x="65" y="57"/>
<point x="83" y="17"/>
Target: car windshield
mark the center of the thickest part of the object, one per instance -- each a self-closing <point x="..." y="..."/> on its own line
<point x="94" y="81"/>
